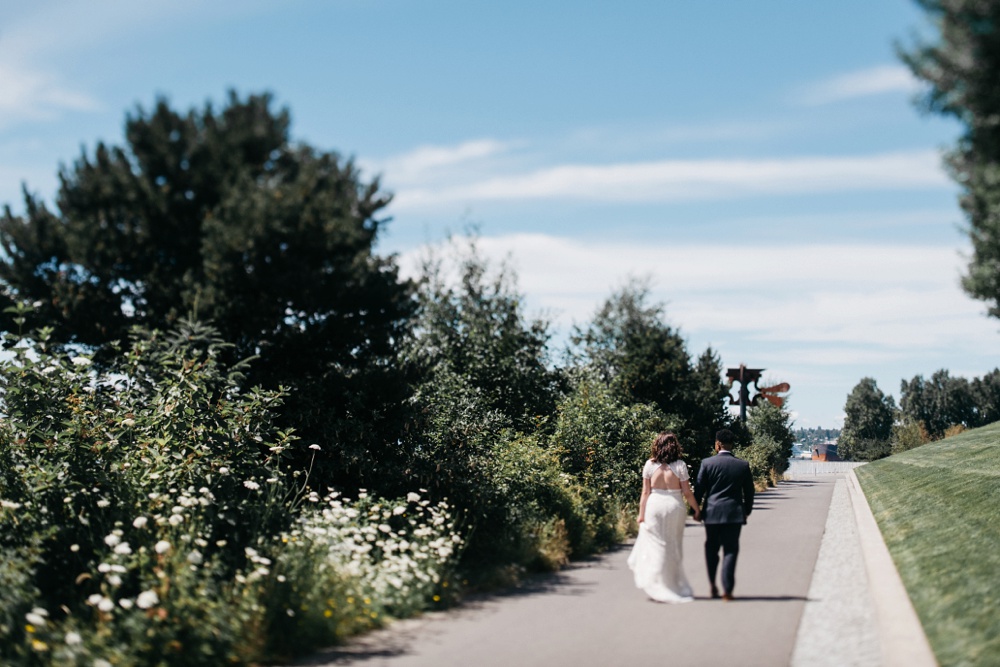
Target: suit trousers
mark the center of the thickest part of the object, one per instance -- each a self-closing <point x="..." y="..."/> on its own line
<point x="727" y="537"/>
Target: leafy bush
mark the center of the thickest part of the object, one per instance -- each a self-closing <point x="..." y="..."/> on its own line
<point x="146" y="516"/>
<point x="771" y="440"/>
<point x="907" y="433"/>
<point x="761" y="454"/>
<point x="602" y="443"/>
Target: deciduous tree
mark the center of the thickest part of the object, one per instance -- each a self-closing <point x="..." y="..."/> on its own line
<point x="218" y="215"/>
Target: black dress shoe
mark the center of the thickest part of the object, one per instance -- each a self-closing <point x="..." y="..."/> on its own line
<point x="715" y="593"/>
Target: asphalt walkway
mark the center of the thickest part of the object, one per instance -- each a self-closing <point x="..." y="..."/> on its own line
<point x="591" y="614"/>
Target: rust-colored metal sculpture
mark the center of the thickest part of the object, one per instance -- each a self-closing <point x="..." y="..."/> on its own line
<point x="745" y="376"/>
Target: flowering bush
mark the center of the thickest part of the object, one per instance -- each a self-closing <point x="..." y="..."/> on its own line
<point x="146" y="516"/>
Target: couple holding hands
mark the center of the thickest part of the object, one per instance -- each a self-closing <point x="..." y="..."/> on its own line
<point x="722" y="498"/>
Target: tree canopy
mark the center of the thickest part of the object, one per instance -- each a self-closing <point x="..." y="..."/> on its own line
<point x="962" y="68"/>
<point x="217" y="215"/>
<point x="868" y="419"/>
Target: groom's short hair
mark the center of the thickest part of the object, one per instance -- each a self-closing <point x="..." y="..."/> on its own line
<point x="725" y="438"/>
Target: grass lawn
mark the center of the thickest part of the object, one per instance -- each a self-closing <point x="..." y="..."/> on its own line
<point x="939" y="510"/>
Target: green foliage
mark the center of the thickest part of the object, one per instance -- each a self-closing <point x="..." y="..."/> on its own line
<point x="907" y="433"/>
<point x="762" y="455"/>
<point x="962" y="67"/>
<point x="868" y="420"/>
<point x="630" y="346"/>
<point x="603" y="443"/>
<point x="217" y="215"/>
<point x="771" y="440"/>
<point x="146" y="509"/>
<point x="476" y="329"/>
<point x="986" y="395"/>
<point x="939" y="403"/>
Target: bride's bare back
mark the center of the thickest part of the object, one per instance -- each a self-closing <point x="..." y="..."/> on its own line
<point x="664" y="478"/>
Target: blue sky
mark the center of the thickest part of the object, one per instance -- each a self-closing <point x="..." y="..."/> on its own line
<point x="761" y="164"/>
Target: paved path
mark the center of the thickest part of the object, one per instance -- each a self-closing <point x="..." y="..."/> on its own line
<point x="591" y="614"/>
<point x="839" y="624"/>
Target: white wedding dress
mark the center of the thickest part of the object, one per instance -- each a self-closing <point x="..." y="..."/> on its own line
<point x="657" y="558"/>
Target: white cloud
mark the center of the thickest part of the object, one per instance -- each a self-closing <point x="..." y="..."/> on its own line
<point x="820" y="316"/>
<point x="863" y="83"/>
<point x="27" y="94"/>
<point x="669" y="180"/>
<point x="888" y="296"/>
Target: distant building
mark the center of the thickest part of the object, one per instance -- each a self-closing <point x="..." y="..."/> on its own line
<point x="825" y="451"/>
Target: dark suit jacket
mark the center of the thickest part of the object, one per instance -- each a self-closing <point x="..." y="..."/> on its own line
<point x="724" y="489"/>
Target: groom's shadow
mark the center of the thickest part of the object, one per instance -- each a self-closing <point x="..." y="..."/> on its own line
<point x="759" y="598"/>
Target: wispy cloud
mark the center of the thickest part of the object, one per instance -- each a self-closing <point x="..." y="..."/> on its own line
<point x="888" y="296"/>
<point x="818" y="315"/>
<point x="27" y="94"/>
<point x="425" y="163"/>
<point x="671" y="180"/>
<point x="863" y="83"/>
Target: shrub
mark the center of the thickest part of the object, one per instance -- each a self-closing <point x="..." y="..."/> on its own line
<point x="146" y="517"/>
<point x="602" y="443"/>
<point x="771" y="440"/>
<point x="761" y="455"/>
<point x="907" y="433"/>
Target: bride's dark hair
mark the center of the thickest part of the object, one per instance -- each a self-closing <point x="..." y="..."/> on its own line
<point x="666" y="448"/>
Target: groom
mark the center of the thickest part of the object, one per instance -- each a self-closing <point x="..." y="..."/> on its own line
<point x="724" y="491"/>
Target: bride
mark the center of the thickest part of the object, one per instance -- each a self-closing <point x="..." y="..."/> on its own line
<point x="657" y="556"/>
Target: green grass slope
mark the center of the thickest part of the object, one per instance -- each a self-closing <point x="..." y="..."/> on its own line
<point x="938" y="507"/>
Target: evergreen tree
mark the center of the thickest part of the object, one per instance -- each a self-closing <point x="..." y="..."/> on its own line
<point x="868" y="420"/>
<point x="218" y="216"/>
<point x="962" y="68"/>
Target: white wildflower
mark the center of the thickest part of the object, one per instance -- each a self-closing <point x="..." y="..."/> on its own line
<point x="73" y="639"/>
<point x="103" y="503"/>
<point x="385" y="528"/>
<point x="161" y="547"/>
<point x="101" y="662"/>
<point x="105" y="605"/>
<point x="396" y="511"/>
<point x="252" y="485"/>
<point x="9" y="504"/>
<point x="147" y="599"/>
<point x="103" y="568"/>
<point x="74" y="547"/>
<point x="115" y="580"/>
<point x="195" y="558"/>
<point x="412" y="497"/>
<point x="314" y="447"/>
<point x="223" y="470"/>
<point x="80" y="361"/>
<point x="35" y="619"/>
<point x="123" y="549"/>
<point x="112" y="539"/>
<point x="175" y="519"/>
<point x="140" y="522"/>
<point x="126" y="603"/>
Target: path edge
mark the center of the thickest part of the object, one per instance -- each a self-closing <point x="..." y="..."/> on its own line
<point x="901" y="635"/>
